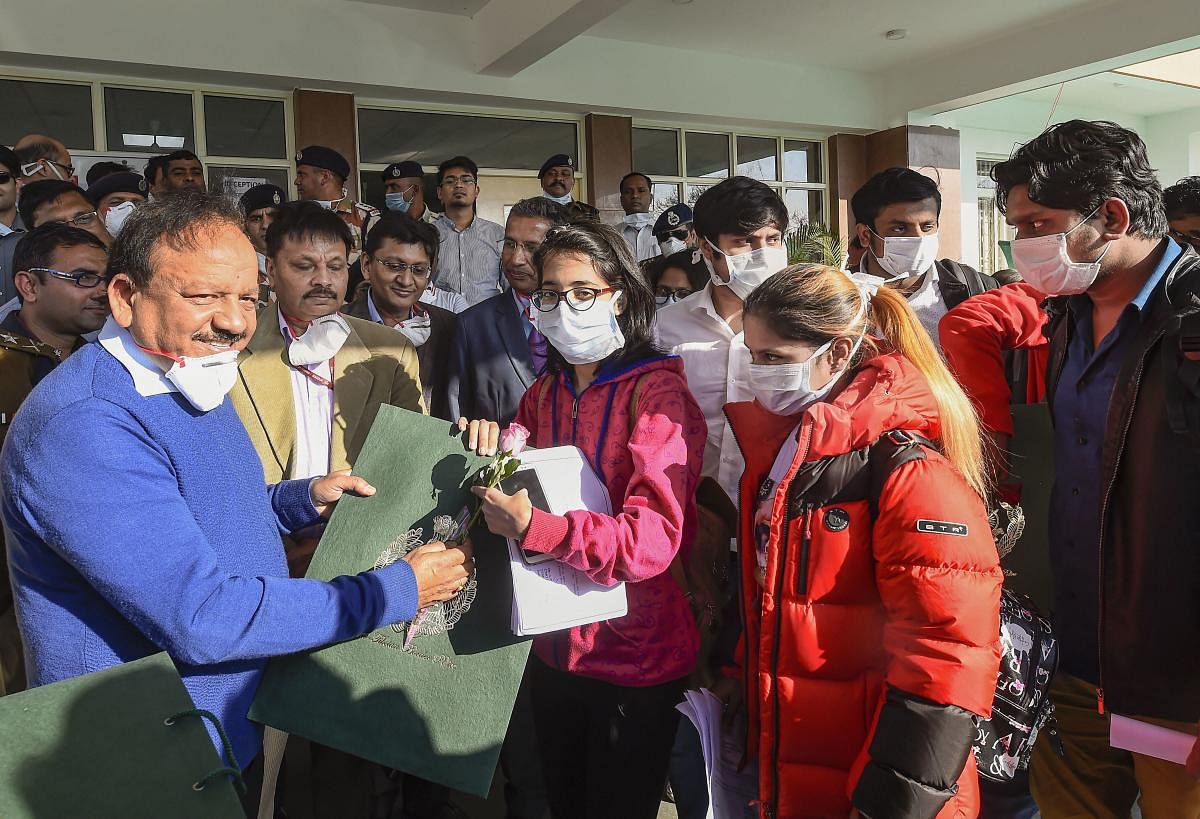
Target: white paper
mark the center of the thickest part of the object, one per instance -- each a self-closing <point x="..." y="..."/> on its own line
<point x="730" y="791"/>
<point x="1150" y="740"/>
<point x="552" y="596"/>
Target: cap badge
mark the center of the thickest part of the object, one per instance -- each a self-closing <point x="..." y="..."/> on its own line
<point x="276" y="197"/>
<point x="299" y="155"/>
<point x="672" y="218"/>
<point x="396" y="171"/>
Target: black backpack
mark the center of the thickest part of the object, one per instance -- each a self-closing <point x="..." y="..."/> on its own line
<point x="1022" y="707"/>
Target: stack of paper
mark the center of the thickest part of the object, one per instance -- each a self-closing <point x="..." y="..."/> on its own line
<point x="549" y="595"/>
<point x="730" y="791"/>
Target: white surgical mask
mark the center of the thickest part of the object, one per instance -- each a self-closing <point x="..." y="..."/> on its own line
<point x="320" y="342"/>
<point x="565" y="199"/>
<point x="1046" y="265"/>
<point x="672" y="245"/>
<point x="416" y="329"/>
<point x="639" y="220"/>
<point x="748" y="270"/>
<point x="582" y="337"/>
<point x="329" y="203"/>
<point x="114" y="220"/>
<point x="205" y="380"/>
<point x="905" y="256"/>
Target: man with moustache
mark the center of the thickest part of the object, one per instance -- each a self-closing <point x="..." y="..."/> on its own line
<point x="398" y="260"/>
<point x="557" y="177"/>
<point x="637" y="195"/>
<point x="182" y="171"/>
<point x="305" y="366"/>
<point x="49" y="200"/>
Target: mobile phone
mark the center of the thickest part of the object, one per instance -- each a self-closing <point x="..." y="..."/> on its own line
<point x="527" y="479"/>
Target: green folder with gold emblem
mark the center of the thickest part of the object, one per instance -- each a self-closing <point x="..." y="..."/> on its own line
<point x="431" y="697"/>
<point x="124" y="742"/>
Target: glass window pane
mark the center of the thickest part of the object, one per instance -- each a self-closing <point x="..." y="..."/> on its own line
<point x="234" y="181"/>
<point x="801" y="161"/>
<point x="693" y="193"/>
<point x="430" y="138"/>
<point x="64" y="111"/>
<point x="666" y="194"/>
<point x="236" y="126"/>
<point x="756" y="158"/>
<point x="804" y="206"/>
<point x="708" y="155"/>
<point x="153" y="122"/>
<point x="656" y="151"/>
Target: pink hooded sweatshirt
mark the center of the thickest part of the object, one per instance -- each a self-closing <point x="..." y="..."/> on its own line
<point x="651" y="466"/>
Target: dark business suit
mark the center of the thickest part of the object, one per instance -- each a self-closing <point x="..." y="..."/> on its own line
<point x="490" y="365"/>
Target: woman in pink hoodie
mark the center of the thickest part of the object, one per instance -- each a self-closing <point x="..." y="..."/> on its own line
<point x="604" y="694"/>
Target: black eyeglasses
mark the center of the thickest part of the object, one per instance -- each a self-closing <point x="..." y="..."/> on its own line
<point x="578" y="299"/>
<point x="6" y="177"/>
<point x="82" y="278"/>
<point x="419" y="270"/>
<point x="79" y="220"/>
<point x="666" y="294"/>
<point x="1186" y="238"/>
<point x="679" y="233"/>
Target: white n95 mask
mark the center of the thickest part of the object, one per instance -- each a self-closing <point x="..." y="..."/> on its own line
<point x="582" y="337"/>
<point x="748" y="270"/>
<point x="205" y="380"/>
<point x="320" y="342"/>
<point x="115" y="218"/>
<point x="905" y="256"/>
<point x="672" y="245"/>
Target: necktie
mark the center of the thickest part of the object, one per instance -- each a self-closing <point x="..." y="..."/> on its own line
<point x="537" y="350"/>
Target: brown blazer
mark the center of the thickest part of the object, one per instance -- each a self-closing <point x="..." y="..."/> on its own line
<point x="433" y="355"/>
<point x="375" y="366"/>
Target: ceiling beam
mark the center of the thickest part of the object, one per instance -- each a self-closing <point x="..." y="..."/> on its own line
<point x="511" y="35"/>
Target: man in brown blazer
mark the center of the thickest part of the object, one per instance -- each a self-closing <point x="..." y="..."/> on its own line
<point x="398" y="261"/>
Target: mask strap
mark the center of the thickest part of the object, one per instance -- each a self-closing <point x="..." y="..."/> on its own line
<point x="1084" y="221"/>
<point x="182" y="362"/>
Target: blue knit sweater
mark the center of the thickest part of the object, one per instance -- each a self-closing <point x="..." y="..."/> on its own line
<point x="138" y="524"/>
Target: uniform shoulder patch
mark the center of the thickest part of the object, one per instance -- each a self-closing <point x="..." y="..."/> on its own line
<point x="942" y="527"/>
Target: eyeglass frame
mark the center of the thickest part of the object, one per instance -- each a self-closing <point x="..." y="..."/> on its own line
<point x="74" y="220"/>
<point x="454" y="180"/>
<point x="25" y="169"/>
<point x="680" y="233"/>
<point x="561" y="296"/>
<point x="76" y="278"/>
<point x="396" y="268"/>
<point x="686" y="291"/>
<point x="8" y="176"/>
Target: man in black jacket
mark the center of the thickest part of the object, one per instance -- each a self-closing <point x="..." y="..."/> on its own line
<point x="1124" y="388"/>
<point x="897" y="213"/>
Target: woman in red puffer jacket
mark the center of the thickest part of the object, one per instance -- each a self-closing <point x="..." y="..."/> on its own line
<point x="871" y="630"/>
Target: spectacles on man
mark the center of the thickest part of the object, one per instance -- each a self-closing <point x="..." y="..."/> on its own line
<point x="578" y="299"/>
<point x="451" y="181"/>
<point x="86" y="279"/>
<point x="6" y="177"/>
<point x="30" y="168"/>
<point x="665" y="295"/>
<point x="79" y="220"/>
<point x="419" y="270"/>
<point x="679" y="233"/>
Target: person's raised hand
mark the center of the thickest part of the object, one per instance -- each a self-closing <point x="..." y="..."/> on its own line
<point x="482" y="436"/>
<point x="327" y="491"/>
<point x="442" y="571"/>
<point x="505" y="515"/>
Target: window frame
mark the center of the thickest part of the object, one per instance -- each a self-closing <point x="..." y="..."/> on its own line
<point x="999" y="227"/>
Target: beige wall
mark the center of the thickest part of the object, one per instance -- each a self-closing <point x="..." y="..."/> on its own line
<point x="497" y="192"/>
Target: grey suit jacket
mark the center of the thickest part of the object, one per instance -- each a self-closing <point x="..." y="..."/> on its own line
<point x="490" y="366"/>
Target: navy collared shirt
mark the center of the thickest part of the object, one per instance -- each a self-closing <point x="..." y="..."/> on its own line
<point x="1080" y="418"/>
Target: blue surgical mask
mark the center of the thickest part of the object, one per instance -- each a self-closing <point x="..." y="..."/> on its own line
<point x="396" y="202"/>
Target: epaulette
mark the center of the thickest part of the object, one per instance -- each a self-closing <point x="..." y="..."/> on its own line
<point x="369" y="210"/>
<point x="12" y="341"/>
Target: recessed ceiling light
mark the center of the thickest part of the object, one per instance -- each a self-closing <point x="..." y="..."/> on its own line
<point x="896" y="34"/>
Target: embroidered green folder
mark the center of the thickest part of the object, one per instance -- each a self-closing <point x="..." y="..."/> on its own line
<point x="123" y="742"/>
<point x="433" y="697"/>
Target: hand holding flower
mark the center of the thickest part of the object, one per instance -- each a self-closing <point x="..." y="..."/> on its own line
<point x="505" y="515"/>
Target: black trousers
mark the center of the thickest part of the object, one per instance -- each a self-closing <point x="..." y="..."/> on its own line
<point x="605" y="748"/>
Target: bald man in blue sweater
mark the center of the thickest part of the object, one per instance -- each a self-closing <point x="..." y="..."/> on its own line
<point x="137" y="513"/>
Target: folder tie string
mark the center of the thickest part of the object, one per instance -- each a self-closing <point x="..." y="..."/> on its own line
<point x="233" y="771"/>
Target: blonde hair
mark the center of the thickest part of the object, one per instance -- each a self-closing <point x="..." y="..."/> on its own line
<point x="815" y="303"/>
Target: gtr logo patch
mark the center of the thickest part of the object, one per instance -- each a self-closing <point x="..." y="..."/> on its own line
<point x="941" y="527"/>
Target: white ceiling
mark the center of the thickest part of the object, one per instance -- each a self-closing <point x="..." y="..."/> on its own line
<point x="835" y="33"/>
<point x="464" y="8"/>
<point x="1182" y="69"/>
<point x="1121" y="93"/>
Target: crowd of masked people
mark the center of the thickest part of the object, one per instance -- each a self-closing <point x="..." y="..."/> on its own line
<point x="805" y="464"/>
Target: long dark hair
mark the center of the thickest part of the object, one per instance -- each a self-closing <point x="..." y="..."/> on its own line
<point x="610" y="258"/>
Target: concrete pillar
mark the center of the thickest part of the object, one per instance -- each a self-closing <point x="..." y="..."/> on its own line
<point x="609" y="148"/>
<point x="328" y="118"/>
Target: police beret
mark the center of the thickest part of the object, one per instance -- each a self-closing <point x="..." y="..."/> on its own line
<point x="262" y="196"/>
<point x="321" y="157"/>
<point x="9" y="160"/>
<point x="123" y="182"/>
<point x="672" y="218"/>
<point x="554" y="162"/>
<point x="403" y="170"/>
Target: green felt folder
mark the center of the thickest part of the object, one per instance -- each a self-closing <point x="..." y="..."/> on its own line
<point x="100" y="746"/>
<point x="436" y="703"/>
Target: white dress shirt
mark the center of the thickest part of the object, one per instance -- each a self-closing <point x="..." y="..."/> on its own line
<point x="927" y="302"/>
<point x="641" y="241"/>
<point x="148" y="377"/>
<point x="312" y="404"/>
<point x="716" y="362"/>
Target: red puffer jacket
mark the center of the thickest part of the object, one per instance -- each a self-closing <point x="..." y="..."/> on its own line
<point x="874" y="639"/>
<point x="651" y="466"/>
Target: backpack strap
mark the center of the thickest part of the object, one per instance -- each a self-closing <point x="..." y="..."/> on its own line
<point x="891" y="451"/>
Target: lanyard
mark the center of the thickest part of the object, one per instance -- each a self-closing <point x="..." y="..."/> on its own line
<point x="305" y="371"/>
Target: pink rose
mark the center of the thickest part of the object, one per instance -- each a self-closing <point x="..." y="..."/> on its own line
<point x="513" y="439"/>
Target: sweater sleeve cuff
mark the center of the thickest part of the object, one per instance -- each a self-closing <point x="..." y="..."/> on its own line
<point x="292" y="502"/>
<point x="400" y="594"/>
<point x="546" y="532"/>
